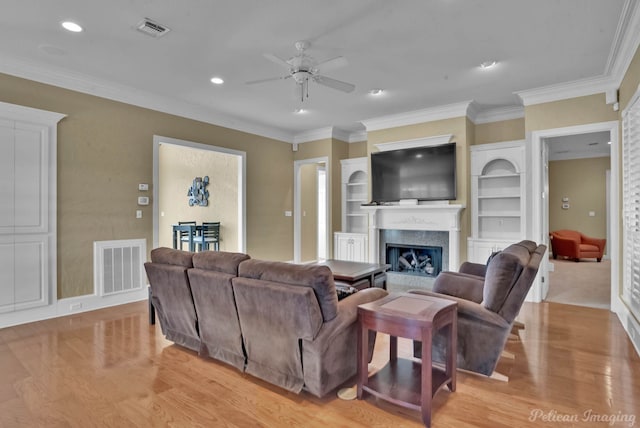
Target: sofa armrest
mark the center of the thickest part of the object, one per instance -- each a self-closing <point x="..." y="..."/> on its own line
<point x="465" y="286"/>
<point x="348" y="312"/>
<point x="565" y="247"/>
<point x="473" y="269"/>
<point x="598" y="242"/>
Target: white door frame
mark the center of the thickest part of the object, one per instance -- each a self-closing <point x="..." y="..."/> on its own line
<point x="297" y="203"/>
<point x="536" y="201"/>
<point x="242" y="180"/>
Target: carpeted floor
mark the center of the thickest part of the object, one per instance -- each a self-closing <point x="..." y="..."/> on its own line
<point x="587" y="283"/>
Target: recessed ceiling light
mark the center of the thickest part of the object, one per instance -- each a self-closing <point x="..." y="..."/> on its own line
<point x="488" y="64"/>
<point x="376" y="91"/>
<point x="71" y="26"/>
<point x="300" y="111"/>
<point x="217" y="80"/>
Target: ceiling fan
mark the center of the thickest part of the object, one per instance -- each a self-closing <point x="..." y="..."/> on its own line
<point x="303" y="68"/>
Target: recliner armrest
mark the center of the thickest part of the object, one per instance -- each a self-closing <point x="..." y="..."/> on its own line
<point x="471" y="310"/>
<point x="473" y="269"/>
<point x="465" y="286"/>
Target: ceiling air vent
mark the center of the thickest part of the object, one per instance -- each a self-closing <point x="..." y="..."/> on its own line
<point x="152" y="28"/>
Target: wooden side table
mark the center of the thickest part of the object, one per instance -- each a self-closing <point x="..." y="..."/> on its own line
<point x="405" y="382"/>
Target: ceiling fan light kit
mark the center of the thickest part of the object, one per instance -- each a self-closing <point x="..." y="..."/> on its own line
<point x="303" y="68"/>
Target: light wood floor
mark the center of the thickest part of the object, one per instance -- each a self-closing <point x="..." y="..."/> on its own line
<point x="109" y="368"/>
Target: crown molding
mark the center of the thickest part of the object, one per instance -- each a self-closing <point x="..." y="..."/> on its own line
<point x="417" y="116"/>
<point x="499" y="114"/>
<point x="78" y="82"/>
<point x="313" y="135"/>
<point x="330" y="132"/>
<point x="626" y="41"/>
<point x="563" y="91"/>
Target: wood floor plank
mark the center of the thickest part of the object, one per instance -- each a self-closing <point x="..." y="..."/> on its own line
<point x="110" y="368"/>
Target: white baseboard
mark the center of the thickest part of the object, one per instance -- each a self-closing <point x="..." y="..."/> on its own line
<point x="630" y="324"/>
<point x="70" y="306"/>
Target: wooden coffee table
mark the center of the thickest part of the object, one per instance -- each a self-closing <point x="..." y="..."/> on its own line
<point x="408" y="383"/>
<point x="352" y="272"/>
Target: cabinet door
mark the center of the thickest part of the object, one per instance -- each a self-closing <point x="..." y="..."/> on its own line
<point x="7" y="295"/>
<point x="341" y="249"/>
<point x="359" y="253"/>
<point x="31" y="273"/>
<point x="30" y="183"/>
<point x="24" y="215"/>
<point x="7" y="149"/>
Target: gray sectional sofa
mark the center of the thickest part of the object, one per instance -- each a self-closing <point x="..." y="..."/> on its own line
<point x="277" y="321"/>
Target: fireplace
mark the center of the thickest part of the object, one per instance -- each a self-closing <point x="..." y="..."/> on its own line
<point x="421" y="260"/>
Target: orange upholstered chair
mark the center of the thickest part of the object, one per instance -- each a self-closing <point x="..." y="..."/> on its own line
<point x="575" y="245"/>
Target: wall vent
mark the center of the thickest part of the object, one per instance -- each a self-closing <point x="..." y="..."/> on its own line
<point x="118" y="266"/>
<point x="152" y="28"/>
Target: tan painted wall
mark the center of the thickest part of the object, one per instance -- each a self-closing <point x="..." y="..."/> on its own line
<point x="309" y="206"/>
<point x="340" y="150"/>
<point x="459" y="127"/>
<point x="583" y="182"/>
<point x="357" y="150"/>
<point x="571" y="112"/>
<point x="105" y="149"/>
<point x="494" y="132"/>
<point x="178" y="167"/>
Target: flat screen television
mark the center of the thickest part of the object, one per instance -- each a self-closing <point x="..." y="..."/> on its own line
<point x="423" y="173"/>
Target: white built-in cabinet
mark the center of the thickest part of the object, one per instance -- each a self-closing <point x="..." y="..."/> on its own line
<point x="498" y="215"/>
<point x="351" y="243"/>
<point x="27" y="208"/>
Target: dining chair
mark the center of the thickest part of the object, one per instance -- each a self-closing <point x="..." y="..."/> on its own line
<point x="210" y="235"/>
<point x="184" y="234"/>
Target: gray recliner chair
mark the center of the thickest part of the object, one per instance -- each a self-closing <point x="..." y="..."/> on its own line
<point x="489" y="299"/>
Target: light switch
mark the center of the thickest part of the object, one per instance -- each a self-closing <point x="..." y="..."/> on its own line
<point x="138" y="213"/>
<point x="592" y="213"/>
<point x="287" y="214"/>
<point x="143" y="187"/>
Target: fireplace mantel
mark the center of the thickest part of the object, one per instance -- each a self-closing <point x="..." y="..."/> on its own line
<point x="439" y="216"/>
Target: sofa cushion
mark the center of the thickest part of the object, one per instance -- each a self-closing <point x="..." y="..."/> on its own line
<point x="319" y="278"/>
<point x="170" y="256"/>
<point x="502" y="273"/>
<point x="219" y="261"/>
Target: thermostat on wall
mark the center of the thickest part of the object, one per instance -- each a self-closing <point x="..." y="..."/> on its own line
<point x="143" y="200"/>
<point x="565" y="206"/>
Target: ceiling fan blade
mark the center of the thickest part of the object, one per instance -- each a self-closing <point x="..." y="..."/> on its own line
<point x="277" y="60"/>
<point x="332" y="64"/>
<point x="268" y="79"/>
<point x="335" y="84"/>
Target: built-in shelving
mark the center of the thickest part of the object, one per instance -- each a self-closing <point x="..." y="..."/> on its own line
<point x="351" y="243"/>
<point x="497" y="197"/>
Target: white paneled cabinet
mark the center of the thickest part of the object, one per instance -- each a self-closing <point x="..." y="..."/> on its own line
<point x="351" y="243"/>
<point x="351" y="246"/>
<point x="27" y="211"/>
<point x="498" y="215"/>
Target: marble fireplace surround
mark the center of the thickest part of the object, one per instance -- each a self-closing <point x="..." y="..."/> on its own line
<point x="423" y="217"/>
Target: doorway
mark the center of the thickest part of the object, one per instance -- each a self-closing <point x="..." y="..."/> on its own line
<point x="539" y="205"/>
<point x="176" y="163"/>
<point x="576" y="173"/>
<point x="311" y="210"/>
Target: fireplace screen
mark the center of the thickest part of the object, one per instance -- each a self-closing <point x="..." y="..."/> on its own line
<point x="414" y="259"/>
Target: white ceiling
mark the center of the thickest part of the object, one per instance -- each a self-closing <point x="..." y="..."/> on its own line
<point x="423" y="53"/>
<point x="591" y="145"/>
